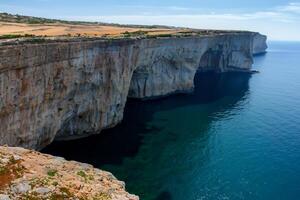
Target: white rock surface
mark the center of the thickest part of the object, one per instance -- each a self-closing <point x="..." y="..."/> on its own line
<point x="4" y="197"/>
<point x="21" y="187"/>
<point x="259" y="44"/>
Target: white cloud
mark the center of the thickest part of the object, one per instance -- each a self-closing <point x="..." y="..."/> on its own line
<point x="273" y="15"/>
<point x="277" y="24"/>
<point x="291" y="7"/>
<point x="285" y="13"/>
<point x="178" y="8"/>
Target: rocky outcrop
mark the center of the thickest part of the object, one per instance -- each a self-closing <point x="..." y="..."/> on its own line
<point x="259" y="44"/>
<point x="169" y="66"/>
<point x="27" y="175"/>
<point x="70" y="89"/>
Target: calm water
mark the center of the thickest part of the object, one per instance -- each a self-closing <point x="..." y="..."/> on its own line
<point x="237" y="137"/>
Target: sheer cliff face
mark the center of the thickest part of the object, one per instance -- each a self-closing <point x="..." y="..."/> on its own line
<point x="169" y="66"/>
<point x="73" y="89"/>
<point x="259" y="44"/>
<point x="62" y="90"/>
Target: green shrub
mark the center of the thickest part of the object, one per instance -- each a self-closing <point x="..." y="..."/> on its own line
<point x="82" y="174"/>
<point x="135" y="33"/>
<point x="52" y="172"/>
<point x="10" y="36"/>
<point x="14" y="36"/>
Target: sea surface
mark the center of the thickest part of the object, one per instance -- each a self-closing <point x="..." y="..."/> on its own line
<point x="236" y="137"/>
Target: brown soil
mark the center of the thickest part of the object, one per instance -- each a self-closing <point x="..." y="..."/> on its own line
<point x="59" y="29"/>
<point x="10" y="172"/>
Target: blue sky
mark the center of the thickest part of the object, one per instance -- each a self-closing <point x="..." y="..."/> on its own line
<point x="279" y="19"/>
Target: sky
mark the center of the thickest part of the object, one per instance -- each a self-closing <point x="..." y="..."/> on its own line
<point x="278" y="19"/>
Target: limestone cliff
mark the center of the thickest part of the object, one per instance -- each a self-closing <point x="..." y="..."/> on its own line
<point x="28" y="175"/>
<point x="259" y="44"/>
<point x="73" y="88"/>
<point x="169" y="66"/>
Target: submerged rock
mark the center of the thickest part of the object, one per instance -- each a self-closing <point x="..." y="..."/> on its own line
<point x="40" y="176"/>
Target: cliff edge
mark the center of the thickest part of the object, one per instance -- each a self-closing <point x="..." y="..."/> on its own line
<point x="28" y="175"/>
<point x="259" y="44"/>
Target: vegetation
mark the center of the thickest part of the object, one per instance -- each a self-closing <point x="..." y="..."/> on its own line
<point x="85" y="176"/>
<point x="102" y="196"/>
<point x="145" y="34"/>
<point x="135" y="33"/>
<point x="6" y="17"/>
<point x="161" y="35"/>
<point x="14" y="36"/>
<point x="52" y="172"/>
<point x="3" y="170"/>
<point x="82" y="174"/>
<point x="10" y="171"/>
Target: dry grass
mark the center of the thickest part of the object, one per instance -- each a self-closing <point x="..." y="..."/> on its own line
<point x="59" y="29"/>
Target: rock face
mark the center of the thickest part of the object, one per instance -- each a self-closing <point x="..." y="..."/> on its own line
<point x="27" y="175"/>
<point x="169" y="66"/>
<point x="259" y="44"/>
<point x="70" y="89"/>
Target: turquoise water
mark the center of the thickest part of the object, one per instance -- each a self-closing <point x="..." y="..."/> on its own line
<point x="236" y="137"/>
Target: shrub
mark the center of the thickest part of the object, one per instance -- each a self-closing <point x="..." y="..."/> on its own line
<point x="135" y="33"/>
<point x="13" y="36"/>
<point x="52" y="172"/>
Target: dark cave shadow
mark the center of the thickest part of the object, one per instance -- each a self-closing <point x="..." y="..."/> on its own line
<point x="113" y="145"/>
<point x="262" y="54"/>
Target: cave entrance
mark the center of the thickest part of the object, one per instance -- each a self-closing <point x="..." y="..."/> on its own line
<point x="211" y="60"/>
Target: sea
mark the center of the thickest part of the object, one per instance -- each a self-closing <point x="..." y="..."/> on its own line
<point x="236" y="137"/>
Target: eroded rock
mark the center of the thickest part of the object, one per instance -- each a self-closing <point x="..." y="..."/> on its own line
<point x="71" y="89"/>
<point x="4" y="197"/>
<point x="40" y="176"/>
<point x="259" y="44"/>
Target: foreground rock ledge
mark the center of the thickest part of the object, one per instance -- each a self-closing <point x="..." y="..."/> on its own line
<point x="26" y="174"/>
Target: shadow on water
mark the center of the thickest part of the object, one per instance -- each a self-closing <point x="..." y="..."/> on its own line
<point x="164" y="196"/>
<point x="114" y="144"/>
<point x="151" y="149"/>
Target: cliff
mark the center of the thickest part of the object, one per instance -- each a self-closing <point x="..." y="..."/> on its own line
<point x="72" y="88"/>
<point x="28" y="175"/>
<point x="259" y="44"/>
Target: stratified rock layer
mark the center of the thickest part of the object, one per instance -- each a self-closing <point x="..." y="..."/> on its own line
<point x="28" y="175"/>
<point x="70" y="89"/>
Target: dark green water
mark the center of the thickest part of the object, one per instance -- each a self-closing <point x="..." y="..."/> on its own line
<point x="236" y="137"/>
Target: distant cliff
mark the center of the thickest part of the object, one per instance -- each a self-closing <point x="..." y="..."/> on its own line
<point x="259" y="44"/>
<point x="72" y="88"/>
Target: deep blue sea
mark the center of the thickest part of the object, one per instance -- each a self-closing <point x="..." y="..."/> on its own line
<point x="236" y="137"/>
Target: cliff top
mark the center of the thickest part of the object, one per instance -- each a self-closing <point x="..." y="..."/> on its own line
<point x="30" y="175"/>
<point x="25" y="27"/>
